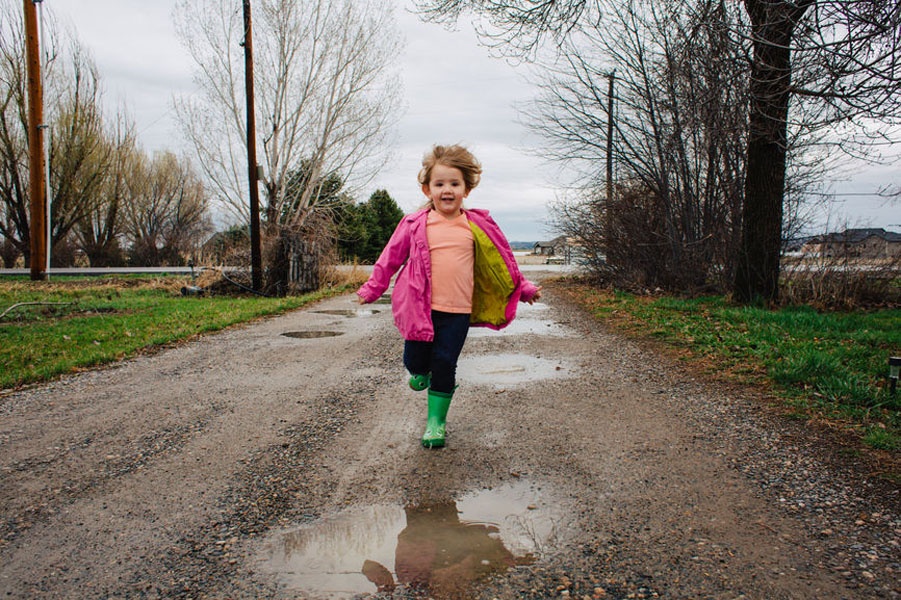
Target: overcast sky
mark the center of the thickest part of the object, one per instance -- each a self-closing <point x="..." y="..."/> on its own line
<point x="454" y="91"/>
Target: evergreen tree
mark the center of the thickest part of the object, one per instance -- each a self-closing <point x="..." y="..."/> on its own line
<point x="365" y="228"/>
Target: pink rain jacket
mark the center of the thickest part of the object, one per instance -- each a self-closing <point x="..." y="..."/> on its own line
<point x="499" y="285"/>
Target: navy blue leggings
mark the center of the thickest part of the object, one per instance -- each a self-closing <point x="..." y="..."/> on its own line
<point x="439" y="357"/>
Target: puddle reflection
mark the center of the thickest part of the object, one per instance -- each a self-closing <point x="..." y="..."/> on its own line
<point x="439" y="553"/>
<point x="439" y="549"/>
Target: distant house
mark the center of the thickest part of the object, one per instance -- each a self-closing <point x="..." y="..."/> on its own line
<point x="795" y="245"/>
<point x="555" y="247"/>
<point x="856" y="243"/>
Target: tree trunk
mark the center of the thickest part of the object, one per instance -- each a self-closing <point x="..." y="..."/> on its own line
<point x="757" y="266"/>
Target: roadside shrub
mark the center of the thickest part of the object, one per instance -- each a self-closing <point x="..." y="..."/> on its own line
<point x="643" y="241"/>
<point x="841" y="283"/>
<point x="229" y="247"/>
<point x="9" y="254"/>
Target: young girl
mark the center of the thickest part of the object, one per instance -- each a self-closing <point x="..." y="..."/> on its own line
<point x="456" y="270"/>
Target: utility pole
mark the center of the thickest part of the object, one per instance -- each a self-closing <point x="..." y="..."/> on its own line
<point x="611" y="76"/>
<point x="36" y="181"/>
<point x="253" y="175"/>
<point x="48" y="187"/>
<point x="606" y="225"/>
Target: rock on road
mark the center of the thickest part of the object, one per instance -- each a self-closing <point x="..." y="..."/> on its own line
<point x="170" y="475"/>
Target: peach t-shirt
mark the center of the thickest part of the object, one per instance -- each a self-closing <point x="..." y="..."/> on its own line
<point x="452" y="254"/>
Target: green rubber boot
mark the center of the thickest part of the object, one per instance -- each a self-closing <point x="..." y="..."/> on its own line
<point x="436" y="424"/>
<point x="420" y="382"/>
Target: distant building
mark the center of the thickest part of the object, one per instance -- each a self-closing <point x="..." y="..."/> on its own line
<point x="555" y="247"/>
<point x="855" y="243"/>
<point x="795" y="245"/>
<point x="560" y="251"/>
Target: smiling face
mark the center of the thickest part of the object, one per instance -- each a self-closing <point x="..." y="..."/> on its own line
<point x="446" y="189"/>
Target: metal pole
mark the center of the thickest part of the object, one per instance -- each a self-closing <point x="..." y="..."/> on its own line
<point x="611" y="76"/>
<point x="256" y="263"/>
<point x="36" y="182"/>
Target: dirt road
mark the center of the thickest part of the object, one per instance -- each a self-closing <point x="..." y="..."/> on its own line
<point x="253" y="464"/>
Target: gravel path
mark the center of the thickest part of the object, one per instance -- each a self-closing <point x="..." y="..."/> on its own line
<point x="182" y="474"/>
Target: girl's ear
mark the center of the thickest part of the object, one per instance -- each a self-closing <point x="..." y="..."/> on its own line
<point x="425" y="190"/>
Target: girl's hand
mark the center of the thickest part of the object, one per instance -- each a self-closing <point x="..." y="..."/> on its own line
<point x="536" y="296"/>
<point x="360" y="300"/>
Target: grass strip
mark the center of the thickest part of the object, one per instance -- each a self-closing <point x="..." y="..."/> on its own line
<point x="81" y="323"/>
<point x="832" y="365"/>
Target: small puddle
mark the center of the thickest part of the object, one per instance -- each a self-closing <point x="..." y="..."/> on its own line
<point x="502" y="370"/>
<point x="439" y="549"/>
<point x="308" y="335"/>
<point x="349" y="312"/>
<point x="531" y="319"/>
<point x="524" y="326"/>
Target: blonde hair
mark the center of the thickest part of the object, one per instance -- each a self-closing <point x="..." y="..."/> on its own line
<point x="452" y="156"/>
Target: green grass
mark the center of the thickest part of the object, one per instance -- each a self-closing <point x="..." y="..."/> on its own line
<point x="832" y="364"/>
<point x="101" y="321"/>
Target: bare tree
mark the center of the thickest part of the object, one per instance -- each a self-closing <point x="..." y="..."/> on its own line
<point x="846" y="67"/>
<point x="14" y="192"/>
<point x="94" y="168"/>
<point x="679" y="121"/>
<point x="326" y="96"/>
<point x="99" y="234"/>
<point x="80" y="150"/>
<point x="518" y="25"/>
<point x="839" y="59"/>
<point x="78" y="146"/>
<point x="166" y="216"/>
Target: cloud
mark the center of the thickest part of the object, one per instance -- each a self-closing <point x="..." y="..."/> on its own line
<point x="455" y="92"/>
<point x="141" y="62"/>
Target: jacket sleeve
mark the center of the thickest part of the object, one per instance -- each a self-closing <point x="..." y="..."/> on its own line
<point x="528" y="289"/>
<point x="392" y="258"/>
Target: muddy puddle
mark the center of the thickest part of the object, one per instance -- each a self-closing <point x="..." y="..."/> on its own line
<point x="439" y="549"/>
<point x="348" y="312"/>
<point x="311" y="335"/>
<point x="507" y="370"/>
